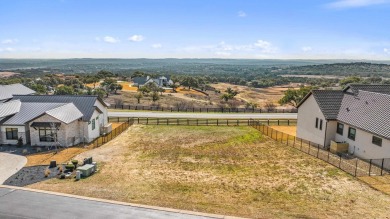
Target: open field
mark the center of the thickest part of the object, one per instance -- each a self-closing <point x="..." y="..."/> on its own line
<point x="225" y="170"/>
<point x="7" y="74"/>
<point x="256" y="95"/>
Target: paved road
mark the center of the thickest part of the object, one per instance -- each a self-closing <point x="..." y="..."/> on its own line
<point x="17" y="203"/>
<point x="10" y="164"/>
<point x="205" y="115"/>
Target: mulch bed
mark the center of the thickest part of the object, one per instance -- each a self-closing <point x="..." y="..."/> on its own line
<point x="30" y="175"/>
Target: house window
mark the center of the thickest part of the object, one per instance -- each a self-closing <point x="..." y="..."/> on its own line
<point x="377" y="141"/>
<point x="340" y="128"/>
<point x="351" y="133"/>
<point x="316" y="123"/>
<point x="46" y="135"/>
<point x="93" y="124"/>
<point x="320" y="124"/>
<point x="11" y="133"/>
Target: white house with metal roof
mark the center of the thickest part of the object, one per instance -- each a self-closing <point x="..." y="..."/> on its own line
<point x="358" y="116"/>
<point x="7" y="91"/>
<point x="45" y="120"/>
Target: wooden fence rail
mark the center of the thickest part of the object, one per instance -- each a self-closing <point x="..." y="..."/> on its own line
<point x="202" y="109"/>
<point x="200" y="122"/>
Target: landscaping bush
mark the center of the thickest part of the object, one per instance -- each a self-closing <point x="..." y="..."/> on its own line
<point x="70" y="167"/>
<point x="47" y="173"/>
<point x="75" y="162"/>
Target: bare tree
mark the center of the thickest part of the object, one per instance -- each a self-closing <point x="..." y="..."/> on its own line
<point x="269" y="106"/>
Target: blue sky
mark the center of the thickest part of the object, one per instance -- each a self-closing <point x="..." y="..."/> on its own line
<point x="258" y="29"/>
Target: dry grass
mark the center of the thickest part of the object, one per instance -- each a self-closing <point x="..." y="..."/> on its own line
<point x="291" y="130"/>
<point x="381" y="183"/>
<point x="225" y="170"/>
<point x="256" y="95"/>
<point x="126" y="86"/>
<point x="63" y="156"/>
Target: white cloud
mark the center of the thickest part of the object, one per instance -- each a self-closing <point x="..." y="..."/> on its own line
<point x="9" y="41"/>
<point x="136" y="38"/>
<point x="109" y="39"/>
<point x="241" y="14"/>
<point x="340" y="4"/>
<point x="307" y="49"/>
<point x="265" y="46"/>
<point x="9" y="49"/>
<point x="156" y="46"/>
<point x="226" y="54"/>
<point x="386" y="50"/>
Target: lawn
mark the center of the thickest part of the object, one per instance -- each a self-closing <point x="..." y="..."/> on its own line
<point x="224" y="170"/>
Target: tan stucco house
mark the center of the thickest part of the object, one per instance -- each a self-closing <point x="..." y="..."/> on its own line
<point x="359" y="115"/>
<point x="46" y="120"/>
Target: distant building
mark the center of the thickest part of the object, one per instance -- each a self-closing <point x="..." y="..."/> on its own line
<point x="161" y="81"/>
<point x="7" y="91"/>
<point x="359" y="116"/>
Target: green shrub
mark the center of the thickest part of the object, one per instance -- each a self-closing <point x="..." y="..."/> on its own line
<point x="75" y="162"/>
<point x="70" y="167"/>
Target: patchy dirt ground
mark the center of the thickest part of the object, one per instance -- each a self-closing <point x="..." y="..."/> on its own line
<point x="256" y="95"/>
<point x="7" y="74"/>
<point x="291" y="130"/>
<point x="225" y="170"/>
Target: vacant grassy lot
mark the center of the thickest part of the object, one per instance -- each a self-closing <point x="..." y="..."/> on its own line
<point x="225" y="170"/>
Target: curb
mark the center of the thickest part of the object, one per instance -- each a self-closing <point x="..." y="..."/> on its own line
<point x="124" y="203"/>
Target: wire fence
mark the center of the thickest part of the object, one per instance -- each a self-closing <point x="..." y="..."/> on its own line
<point x="348" y="163"/>
<point x="201" y="122"/>
<point x="203" y="110"/>
<point x="114" y="133"/>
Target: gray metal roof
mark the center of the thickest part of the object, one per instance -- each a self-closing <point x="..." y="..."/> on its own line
<point x="29" y="111"/>
<point x="7" y="91"/>
<point x="140" y="80"/>
<point x="85" y="104"/>
<point x="377" y="88"/>
<point x="66" y="113"/>
<point x="368" y="111"/>
<point x="9" y="108"/>
<point x="329" y="102"/>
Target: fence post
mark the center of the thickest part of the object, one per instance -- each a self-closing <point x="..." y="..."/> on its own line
<point x="117" y="119"/>
<point x="340" y="163"/>
<point x="227" y="122"/>
<point x="382" y="166"/>
<point x="318" y="150"/>
<point x="138" y="120"/>
<point x="147" y="121"/>
<point x="278" y="122"/>
<point x="356" y="166"/>
<point x="288" y="122"/>
<point x="237" y="123"/>
<point x="369" y="170"/>
<point x="287" y="139"/>
<point x="301" y="145"/>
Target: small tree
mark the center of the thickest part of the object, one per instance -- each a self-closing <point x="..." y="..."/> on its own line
<point x="138" y="96"/>
<point x="155" y="96"/>
<point x="269" y="106"/>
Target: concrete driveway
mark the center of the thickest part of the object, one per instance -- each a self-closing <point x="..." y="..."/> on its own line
<point x="10" y="164"/>
<point x="18" y="202"/>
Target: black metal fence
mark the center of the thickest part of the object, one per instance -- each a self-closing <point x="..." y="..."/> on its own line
<point x="202" y="110"/>
<point x="201" y="122"/>
<point x="350" y="164"/>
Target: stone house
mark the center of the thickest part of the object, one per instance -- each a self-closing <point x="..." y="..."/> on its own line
<point x="46" y="120"/>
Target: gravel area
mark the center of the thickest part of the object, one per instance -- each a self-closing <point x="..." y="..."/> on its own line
<point x="30" y="175"/>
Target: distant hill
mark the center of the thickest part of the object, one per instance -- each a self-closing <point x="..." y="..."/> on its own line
<point x="364" y="69"/>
